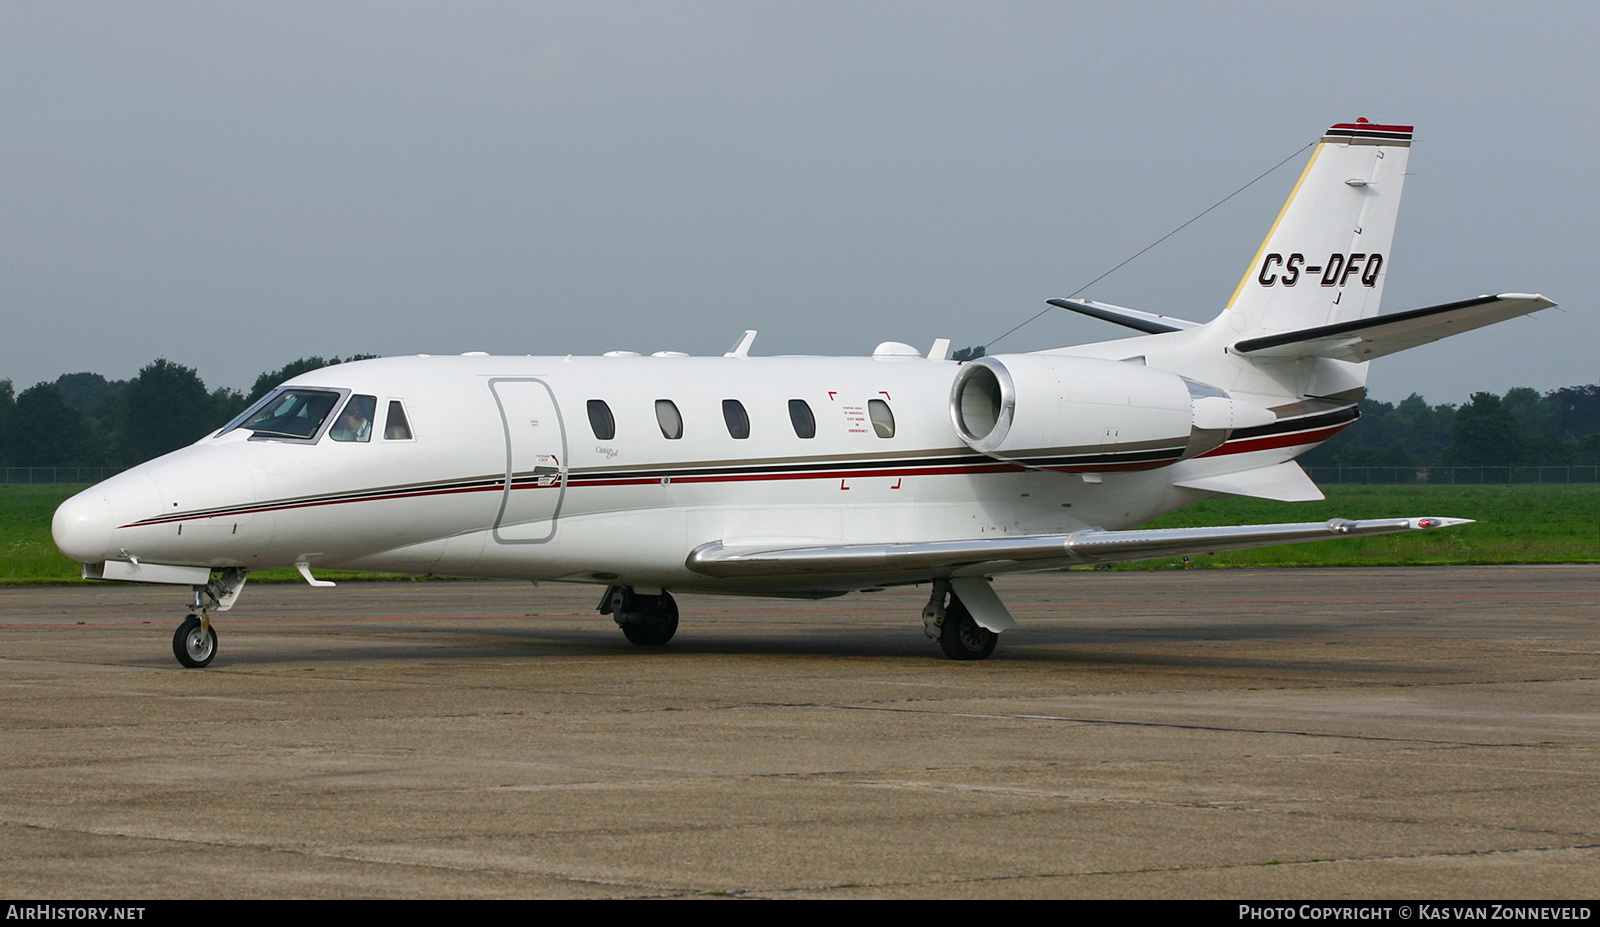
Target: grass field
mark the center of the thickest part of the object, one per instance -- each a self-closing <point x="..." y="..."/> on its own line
<point x="1517" y="524"/>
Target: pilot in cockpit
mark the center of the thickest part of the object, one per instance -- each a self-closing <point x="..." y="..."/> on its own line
<point x="355" y="422"/>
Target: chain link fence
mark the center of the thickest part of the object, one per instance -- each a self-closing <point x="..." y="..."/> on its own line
<point x="57" y="474"/>
<point x="1454" y="476"/>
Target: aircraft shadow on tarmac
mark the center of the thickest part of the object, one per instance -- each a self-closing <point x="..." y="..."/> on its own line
<point x="1041" y="643"/>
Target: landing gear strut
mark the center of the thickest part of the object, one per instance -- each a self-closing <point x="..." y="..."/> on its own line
<point x="646" y="620"/>
<point x="195" y="641"/>
<point x="960" y="637"/>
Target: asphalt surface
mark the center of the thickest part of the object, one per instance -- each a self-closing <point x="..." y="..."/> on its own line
<point x="1415" y="733"/>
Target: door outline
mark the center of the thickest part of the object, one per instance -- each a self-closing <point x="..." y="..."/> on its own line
<point x="559" y="471"/>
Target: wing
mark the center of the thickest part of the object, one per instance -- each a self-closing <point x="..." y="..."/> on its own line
<point x="1365" y="339"/>
<point x="1001" y="555"/>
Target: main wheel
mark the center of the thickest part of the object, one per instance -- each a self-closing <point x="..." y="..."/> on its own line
<point x="654" y="627"/>
<point x="961" y="637"/>
<point x="194" y="644"/>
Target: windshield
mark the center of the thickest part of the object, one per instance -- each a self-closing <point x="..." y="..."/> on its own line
<point x="291" y="413"/>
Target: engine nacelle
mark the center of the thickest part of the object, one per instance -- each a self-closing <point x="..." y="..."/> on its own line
<point x="1085" y="414"/>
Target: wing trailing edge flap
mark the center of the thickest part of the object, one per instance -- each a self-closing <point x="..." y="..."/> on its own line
<point x="1283" y="482"/>
<point x="1365" y="339"/>
<point x="976" y="557"/>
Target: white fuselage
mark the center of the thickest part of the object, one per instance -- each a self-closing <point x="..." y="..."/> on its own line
<point x="503" y="475"/>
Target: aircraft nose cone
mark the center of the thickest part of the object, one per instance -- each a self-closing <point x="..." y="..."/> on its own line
<point x="82" y="526"/>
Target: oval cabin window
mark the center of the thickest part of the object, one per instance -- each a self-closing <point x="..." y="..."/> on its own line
<point x="805" y="424"/>
<point x="668" y="418"/>
<point x="882" y="417"/>
<point x="738" y="421"/>
<point x="601" y="422"/>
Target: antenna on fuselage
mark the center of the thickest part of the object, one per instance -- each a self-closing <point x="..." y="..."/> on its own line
<point x="742" y="349"/>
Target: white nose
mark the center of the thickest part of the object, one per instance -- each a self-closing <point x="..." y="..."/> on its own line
<point x="82" y="526"/>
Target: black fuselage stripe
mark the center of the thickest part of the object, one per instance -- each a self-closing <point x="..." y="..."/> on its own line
<point x="973" y="463"/>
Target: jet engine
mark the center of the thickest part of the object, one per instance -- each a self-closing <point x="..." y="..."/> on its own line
<point x="1080" y="413"/>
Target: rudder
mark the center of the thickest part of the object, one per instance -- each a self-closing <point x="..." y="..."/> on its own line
<point x="1326" y="256"/>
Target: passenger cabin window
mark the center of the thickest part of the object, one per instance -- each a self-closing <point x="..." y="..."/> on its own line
<point x="600" y="420"/>
<point x="668" y="418"/>
<point x="395" y="427"/>
<point x="882" y="417"/>
<point x="290" y="413"/>
<point x="738" y="422"/>
<point x="805" y="424"/>
<point x="355" y="420"/>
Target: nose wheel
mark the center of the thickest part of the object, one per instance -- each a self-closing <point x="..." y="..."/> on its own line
<point x="194" y="643"/>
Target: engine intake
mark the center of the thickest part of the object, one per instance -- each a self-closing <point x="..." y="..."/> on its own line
<point x="1086" y="414"/>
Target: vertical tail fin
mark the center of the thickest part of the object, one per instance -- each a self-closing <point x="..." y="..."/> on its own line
<point x="1326" y="257"/>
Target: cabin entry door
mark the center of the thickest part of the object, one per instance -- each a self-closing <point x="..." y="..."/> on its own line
<point x="536" y="460"/>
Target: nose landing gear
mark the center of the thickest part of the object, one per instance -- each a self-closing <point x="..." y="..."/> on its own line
<point x="195" y="641"/>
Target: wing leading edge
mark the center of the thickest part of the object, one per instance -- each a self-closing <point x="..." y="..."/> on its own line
<point x="1000" y="555"/>
<point x="1365" y="339"/>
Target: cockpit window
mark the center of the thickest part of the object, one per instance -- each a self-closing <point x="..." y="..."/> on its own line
<point x="355" y="420"/>
<point x="289" y="413"/>
<point x="396" y="428"/>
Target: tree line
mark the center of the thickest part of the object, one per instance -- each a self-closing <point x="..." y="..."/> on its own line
<point x="1521" y="428"/>
<point x="85" y="420"/>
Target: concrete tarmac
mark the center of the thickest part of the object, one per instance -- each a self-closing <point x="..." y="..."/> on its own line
<point x="1422" y="733"/>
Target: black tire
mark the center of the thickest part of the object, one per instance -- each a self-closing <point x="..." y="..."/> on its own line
<point x="194" y="644"/>
<point x="961" y="637"/>
<point x="654" y="627"/>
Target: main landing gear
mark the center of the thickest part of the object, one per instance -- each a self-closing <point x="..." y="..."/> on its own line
<point x="195" y="641"/>
<point x="947" y="619"/>
<point x="646" y="620"/>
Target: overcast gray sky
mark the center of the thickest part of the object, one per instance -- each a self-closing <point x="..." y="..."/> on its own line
<point x="236" y="185"/>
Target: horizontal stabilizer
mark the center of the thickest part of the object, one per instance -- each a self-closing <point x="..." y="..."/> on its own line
<point x="995" y="555"/>
<point x="1284" y="482"/>
<point x="1365" y="339"/>
<point x="1147" y="322"/>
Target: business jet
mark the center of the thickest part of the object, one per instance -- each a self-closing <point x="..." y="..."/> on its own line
<point x="802" y="476"/>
